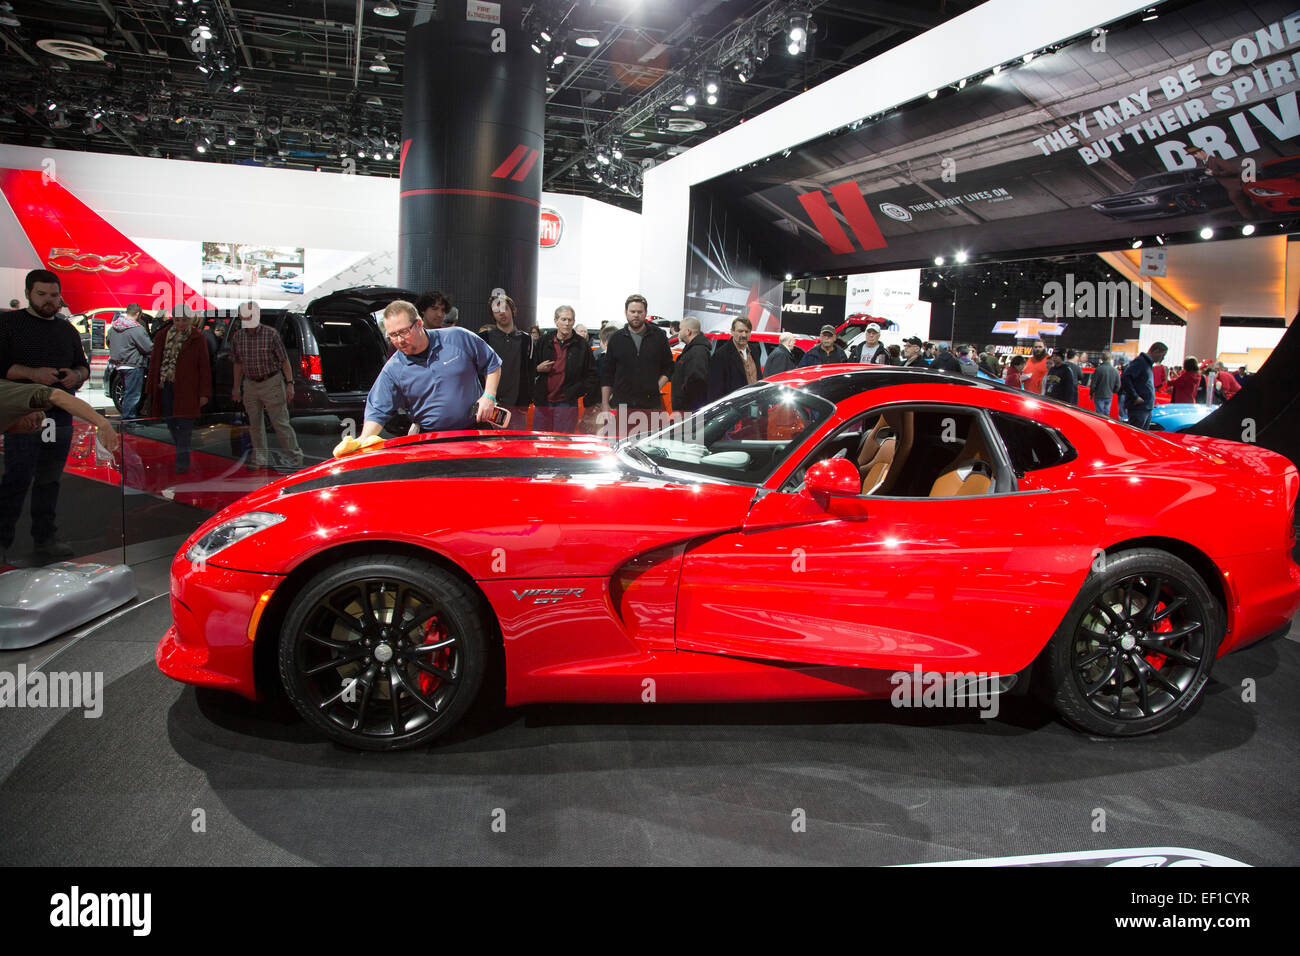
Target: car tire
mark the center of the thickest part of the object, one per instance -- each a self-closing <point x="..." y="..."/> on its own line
<point x="221" y="280"/>
<point x="434" y="651"/>
<point x="117" y="389"/>
<point x="1112" y="668"/>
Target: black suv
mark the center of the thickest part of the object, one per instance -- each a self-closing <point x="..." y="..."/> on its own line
<point x="335" y="347"/>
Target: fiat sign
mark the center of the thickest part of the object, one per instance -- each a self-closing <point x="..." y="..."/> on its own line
<point x="552" y="228"/>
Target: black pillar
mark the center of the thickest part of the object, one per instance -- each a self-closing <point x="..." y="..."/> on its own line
<point x="473" y="118"/>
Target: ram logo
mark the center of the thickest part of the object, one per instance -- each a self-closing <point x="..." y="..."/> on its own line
<point x="547" y="595"/>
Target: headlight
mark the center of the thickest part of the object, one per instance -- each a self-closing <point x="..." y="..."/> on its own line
<point x="1262" y="191"/>
<point x="228" y="532"/>
<point x="1148" y="200"/>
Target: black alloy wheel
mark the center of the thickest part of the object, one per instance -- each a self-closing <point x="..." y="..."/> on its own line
<point x="1135" y="651"/>
<point x="383" y="652"/>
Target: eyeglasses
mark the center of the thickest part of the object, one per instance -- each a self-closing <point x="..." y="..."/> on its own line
<point x="400" y="336"/>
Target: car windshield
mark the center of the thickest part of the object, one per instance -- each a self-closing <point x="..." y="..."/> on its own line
<point x="743" y="438"/>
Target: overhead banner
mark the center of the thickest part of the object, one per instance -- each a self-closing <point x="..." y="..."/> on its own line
<point x="1085" y="147"/>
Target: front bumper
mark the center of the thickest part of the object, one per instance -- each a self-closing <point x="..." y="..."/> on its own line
<point x="209" y="642"/>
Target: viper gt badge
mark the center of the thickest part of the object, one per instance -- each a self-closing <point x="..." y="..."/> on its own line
<point x="547" y="595"/>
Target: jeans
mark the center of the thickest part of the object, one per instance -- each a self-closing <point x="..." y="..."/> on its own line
<point x="181" y="428"/>
<point x="132" y="382"/>
<point x="1102" y="405"/>
<point x="30" y="461"/>
<point x="1139" y="416"/>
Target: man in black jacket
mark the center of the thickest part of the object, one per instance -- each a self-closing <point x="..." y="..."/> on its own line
<point x="872" y="351"/>
<point x="566" y="372"/>
<point x="825" y="352"/>
<point x="514" y="346"/>
<point x="912" y="357"/>
<point x="781" y="358"/>
<point x="734" y="364"/>
<point x="638" y="363"/>
<point x="944" y="360"/>
<point x="691" y="370"/>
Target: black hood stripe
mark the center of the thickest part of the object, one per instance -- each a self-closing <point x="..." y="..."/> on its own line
<point x="464" y="468"/>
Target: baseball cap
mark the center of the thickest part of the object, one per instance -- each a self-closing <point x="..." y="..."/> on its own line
<point x="912" y="340"/>
<point x="827" y="328"/>
<point x="872" y="327"/>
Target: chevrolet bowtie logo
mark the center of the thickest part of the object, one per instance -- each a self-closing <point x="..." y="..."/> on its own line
<point x="1029" y="328"/>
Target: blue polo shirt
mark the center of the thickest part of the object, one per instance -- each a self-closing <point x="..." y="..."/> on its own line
<point x="436" y="387"/>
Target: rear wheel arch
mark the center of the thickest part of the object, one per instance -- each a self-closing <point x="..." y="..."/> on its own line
<point x="1198" y="559"/>
<point x="266" y="672"/>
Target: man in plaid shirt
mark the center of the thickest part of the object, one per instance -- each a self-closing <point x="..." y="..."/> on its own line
<point x="265" y="379"/>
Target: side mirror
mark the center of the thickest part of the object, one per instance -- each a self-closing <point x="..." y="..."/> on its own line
<point x="836" y="477"/>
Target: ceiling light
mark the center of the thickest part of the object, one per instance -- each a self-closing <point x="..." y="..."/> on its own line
<point x="386" y="9"/>
<point x="230" y="138"/>
<point x="689" y="97"/>
<point x="236" y="84"/>
<point x="559" y="58"/>
<point x="789" y="276"/>
<point x="938" y="260"/>
<point x="997" y="70"/>
<point x="679" y="107"/>
<point x="380" y="64"/>
<point x="1160" y="240"/>
<point x="205" y="31"/>
<point x="932" y="94"/>
<point x="1207" y="233"/>
<point x="1137" y="244"/>
<point x="388" y="154"/>
<point x="798" y="29"/>
<point x="617" y="149"/>
<point x="1029" y="57"/>
<point x="544" y="34"/>
<point x="961" y="256"/>
<point x="711" y="81"/>
<point x="1248" y="230"/>
<point x="961" y="84"/>
<point x="587" y="41"/>
<point x="373" y="100"/>
<point x="7" y="18"/>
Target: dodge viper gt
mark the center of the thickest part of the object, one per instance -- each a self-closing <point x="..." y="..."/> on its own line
<point x="808" y="537"/>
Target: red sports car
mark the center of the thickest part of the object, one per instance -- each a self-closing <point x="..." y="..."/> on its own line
<point x="808" y="537"/>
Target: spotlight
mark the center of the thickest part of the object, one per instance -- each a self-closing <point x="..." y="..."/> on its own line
<point x="798" y="27"/>
<point x="789" y="276"/>
<point x="934" y="284"/>
<point x="690" y="97"/>
<point x="997" y="70"/>
<point x="938" y="260"/>
<point x="1207" y="233"/>
<point x="230" y="138"/>
<point x="535" y="46"/>
<point x="587" y="41"/>
<point x="386" y="9"/>
<point x="679" y="107"/>
<point x="961" y="84"/>
<point x="236" y="84"/>
<point x="388" y="154"/>
<point x="961" y="256"/>
<point x="932" y="94"/>
<point x="559" y="58"/>
<point x="759" y="49"/>
<point x="380" y="64"/>
<point x="617" y="149"/>
<point x="711" y="81"/>
<point x="1248" y="230"/>
<point x="1137" y="244"/>
<point x="1160" y="240"/>
<point x="1028" y="57"/>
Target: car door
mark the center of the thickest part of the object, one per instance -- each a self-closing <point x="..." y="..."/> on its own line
<point x="975" y="583"/>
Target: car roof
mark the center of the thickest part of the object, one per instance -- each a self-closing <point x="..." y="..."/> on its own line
<point x="835" y="383"/>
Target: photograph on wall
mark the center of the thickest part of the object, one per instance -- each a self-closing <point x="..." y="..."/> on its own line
<point x="726" y="275"/>
<point x="263" y="272"/>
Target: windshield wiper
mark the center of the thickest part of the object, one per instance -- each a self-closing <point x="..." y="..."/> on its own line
<point x="634" y="452"/>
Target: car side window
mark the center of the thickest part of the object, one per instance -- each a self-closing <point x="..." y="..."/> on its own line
<point x="1031" y="446"/>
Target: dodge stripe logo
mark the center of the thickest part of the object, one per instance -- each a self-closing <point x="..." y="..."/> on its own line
<point x="856" y="213"/>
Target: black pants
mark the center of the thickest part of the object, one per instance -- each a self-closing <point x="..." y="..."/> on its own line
<point x="32" y="462"/>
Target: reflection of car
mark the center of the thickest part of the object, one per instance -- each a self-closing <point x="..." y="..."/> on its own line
<point x="822" y="535"/>
<point x="220" y="273"/>
<point x="292" y="285"/>
<point x="1164" y="195"/>
<point x="1177" y="416"/>
<point x="283" y="273"/>
<point x="334" y="346"/>
<point x="93" y="326"/>
<point x="1277" y="185"/>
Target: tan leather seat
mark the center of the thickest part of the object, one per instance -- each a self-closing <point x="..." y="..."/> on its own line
<point x="971" y="472"/>
<point x="884" y="449"/>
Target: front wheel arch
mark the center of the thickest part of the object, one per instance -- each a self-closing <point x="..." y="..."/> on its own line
<point x="266" y="673"/>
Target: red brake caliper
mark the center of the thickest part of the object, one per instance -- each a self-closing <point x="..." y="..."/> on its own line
<point x="1156" y="659"/>
<point x="434" y="633"/>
